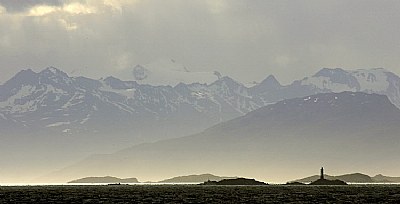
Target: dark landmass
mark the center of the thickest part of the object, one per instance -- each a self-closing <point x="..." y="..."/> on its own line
<point x="237" y="181"/>
<point x="117" y="184"/>
<point x="328" y="182"/>
<point x="354" y="178"/>
<point x="295" y="183"/>
<point x="195" y="179"/>
<point x="105" y="179"/>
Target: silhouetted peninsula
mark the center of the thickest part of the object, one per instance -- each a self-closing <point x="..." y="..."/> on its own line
<point x="195" y="179"/>
<point x="105" y="179"/>
<point x="237" y="181"/>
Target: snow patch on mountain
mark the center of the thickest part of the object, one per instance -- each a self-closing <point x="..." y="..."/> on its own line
<point x="16" y="103"/>
<point x="58" y="124"/>
<point x="128" y="93"/>
<point x="339" y="80"/>
<point x="372" y="80"/>
<point x="325" y="83"/>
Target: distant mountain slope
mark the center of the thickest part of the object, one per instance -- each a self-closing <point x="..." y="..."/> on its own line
<point x="386" y="179"/>
<point x="105" y="179"/>
<point x="283" y="140"/>
<point x="195" y="178"/>
<point x="349" y="178"/>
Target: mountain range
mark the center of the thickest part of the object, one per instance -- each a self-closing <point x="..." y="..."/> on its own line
<point x="344" y="130"/>
<point x="51" y="101"/>
<point x="70" y="117"/>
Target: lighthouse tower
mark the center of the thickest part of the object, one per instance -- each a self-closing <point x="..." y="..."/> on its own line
<point x="322" y="173"/>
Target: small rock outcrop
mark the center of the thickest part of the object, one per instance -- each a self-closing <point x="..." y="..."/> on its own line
<point x="295" y="183"/>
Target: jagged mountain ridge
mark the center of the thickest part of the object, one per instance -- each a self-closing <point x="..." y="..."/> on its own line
<point x="52" y="99"/>
<point x="376" y="80"/>
<point x="166" y="71"/>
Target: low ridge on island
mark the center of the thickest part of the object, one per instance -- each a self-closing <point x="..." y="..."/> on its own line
<point x="237" y="181"/>
<point x="105" y="180"/>
<point x="195" y="178"/>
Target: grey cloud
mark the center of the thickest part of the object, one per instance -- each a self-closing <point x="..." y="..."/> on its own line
<point x="247" y="40"/>
<point x="18" y="6"/>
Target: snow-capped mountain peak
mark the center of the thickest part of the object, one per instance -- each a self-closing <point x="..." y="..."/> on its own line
<point x="170" y="72"/>
<point x="328" y="72"/>
<point x="338" y="80"/>
<point x="56" y="76"/>
<point x="372" y="80"/>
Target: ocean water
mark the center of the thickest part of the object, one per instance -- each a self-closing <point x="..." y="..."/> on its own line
<point x="200" y="194"/>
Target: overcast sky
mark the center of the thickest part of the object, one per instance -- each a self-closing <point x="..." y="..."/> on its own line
<point x="245" y="39"/>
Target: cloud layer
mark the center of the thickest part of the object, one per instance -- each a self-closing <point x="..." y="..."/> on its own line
<point x="245" y="39"/>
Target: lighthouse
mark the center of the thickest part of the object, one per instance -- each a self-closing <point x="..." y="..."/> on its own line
<point x="322" y="173"/>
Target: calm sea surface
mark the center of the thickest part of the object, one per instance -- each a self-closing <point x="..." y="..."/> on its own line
<point x="200" y="194"/>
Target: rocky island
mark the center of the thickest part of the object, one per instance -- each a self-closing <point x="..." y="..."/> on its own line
<point x="237" y="181"/>
<point x="323" y="181"/>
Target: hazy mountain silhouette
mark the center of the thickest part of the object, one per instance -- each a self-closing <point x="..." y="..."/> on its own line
<point x="195" y="178"/>
<point x="349" y="178"/>
<point x="105" y="179"/>
<point x="386" y="179"/>
<point x="345" y="130"/>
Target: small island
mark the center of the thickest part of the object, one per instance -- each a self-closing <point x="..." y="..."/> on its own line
<point x="323" y="181"/>
<point x="237" y="181"/>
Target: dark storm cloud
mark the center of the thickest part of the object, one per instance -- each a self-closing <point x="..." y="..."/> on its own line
<point x="23" y="5"/>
